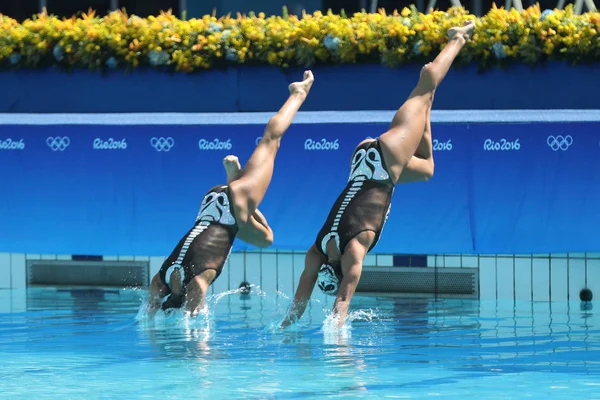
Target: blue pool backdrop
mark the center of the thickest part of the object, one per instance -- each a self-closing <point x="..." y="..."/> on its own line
<point x="135" y="189"/>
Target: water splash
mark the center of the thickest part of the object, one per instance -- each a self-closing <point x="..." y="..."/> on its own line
<point x="333" y="333"/>
<point x="281" y="312"/>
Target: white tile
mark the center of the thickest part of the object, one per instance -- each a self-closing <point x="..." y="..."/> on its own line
<point x="558" y="279"/>
<point x="452" y="261"/>
<point x="505" y="278"/>
<point x="469" y="261"/>
<point x="370" y="260"/>
<point x="5" y="299"/>
<point x="141" y="258"/>
<point x="153" y="266"/>
<point x="5" y="270"/>
<point x="48" y="257"/>
<point x="523" y="278"/>
<point x="19" y="299"/>
<point x="297" y="268"/>
<point x="285" y="274"/>
<point x="592" y="255"/>
<point x="541" y="279"/>
<point x="593" y="278"/>
<point x="221" y="284"/>
<point x="64" y="257"/>
<point x="252" y="269"/>
<point x="18" y="271"/>
<point x="576" y="278"/>
<point x="110" y="258"/>
<point x="487" y="278"/>
<point x="577" y="255"/>
<point x="385" y="260"/>
<point x="439" y="261"/>
<point x="33" y="257"/>
<point x="560" y="255"/>
<point x="236" y="270"/>
<point x="431" y="261"/>
<point x="268" y="263"/>
<point x="126" y="258"/>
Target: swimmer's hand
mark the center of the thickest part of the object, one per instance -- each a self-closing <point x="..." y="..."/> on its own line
<point x="285" y="323"/>
<point x="303" y="87"/>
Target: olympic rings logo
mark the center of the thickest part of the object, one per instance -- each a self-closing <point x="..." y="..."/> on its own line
<point x="162" y="144"/>
<point x="559" y="142"/>
<point x="58" y="143"/>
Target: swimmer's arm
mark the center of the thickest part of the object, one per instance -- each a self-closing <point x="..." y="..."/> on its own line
<point x="256" y="231"/>
<point x="305" y="288"/>
<point x="158" y="290"/>
<point x="301" y="299"/>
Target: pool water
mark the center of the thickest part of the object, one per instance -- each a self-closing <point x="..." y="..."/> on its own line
<point x="90" y="344"/>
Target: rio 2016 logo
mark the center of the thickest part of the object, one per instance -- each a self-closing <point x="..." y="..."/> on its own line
<point x="442" y="146"/>
<point x="322" y="144"/>
<point x="215" y="144"/>
<point x="110" y="144"/>
<point x="501" y="145"/>
<point x="9" y="144"/>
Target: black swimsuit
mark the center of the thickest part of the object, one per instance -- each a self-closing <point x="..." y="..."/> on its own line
<point x="364" y="204"/>
<point x="208" y="244"/>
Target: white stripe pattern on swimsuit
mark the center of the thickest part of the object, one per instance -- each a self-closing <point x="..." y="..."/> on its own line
<point x="214" y="208"/>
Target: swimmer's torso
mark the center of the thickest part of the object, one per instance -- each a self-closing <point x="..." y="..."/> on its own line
<point x="208" y="244"/>
<point x="365" y="202"/>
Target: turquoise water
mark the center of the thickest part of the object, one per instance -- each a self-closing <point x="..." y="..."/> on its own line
<point x="88" y="344"/>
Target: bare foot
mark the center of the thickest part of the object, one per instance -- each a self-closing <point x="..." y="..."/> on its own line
<point x="464" y="31"/>
<point x="304" y="86"/>
<point x="233" y="168"/>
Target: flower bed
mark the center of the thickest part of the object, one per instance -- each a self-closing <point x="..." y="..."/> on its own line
<point x="406" y="37"/>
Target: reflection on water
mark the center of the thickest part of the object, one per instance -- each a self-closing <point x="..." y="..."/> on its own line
<point x="235" y="346"/>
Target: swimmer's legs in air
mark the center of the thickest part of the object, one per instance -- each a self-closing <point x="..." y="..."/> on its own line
<point x="249" y="186"/>
<point x="408" y="154"/>
<point x="399" y="145"/>
<point x="411" y="122"/>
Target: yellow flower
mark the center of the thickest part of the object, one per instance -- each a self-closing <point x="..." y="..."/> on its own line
<point x="204" y="43"/>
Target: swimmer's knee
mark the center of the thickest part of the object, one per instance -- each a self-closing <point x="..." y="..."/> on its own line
<point x="270" y="140"/>
<point x="275" y="128"/>
<point x="428" y="81"/>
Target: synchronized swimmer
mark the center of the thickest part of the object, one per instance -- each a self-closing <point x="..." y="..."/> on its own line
<point x="403" y="154"/>
<point x="226" y="212"/>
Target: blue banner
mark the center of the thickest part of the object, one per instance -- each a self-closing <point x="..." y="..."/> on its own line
<point x="264" y="88"/>
<point x="135" y="190"/>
